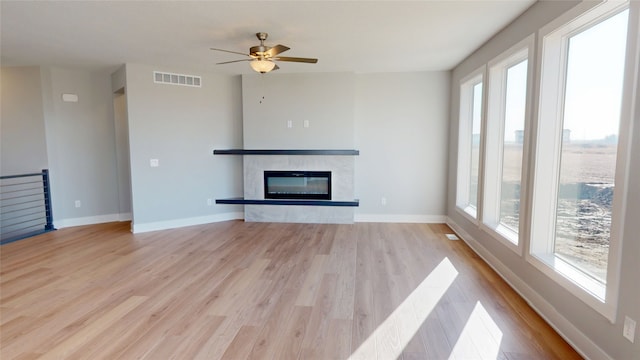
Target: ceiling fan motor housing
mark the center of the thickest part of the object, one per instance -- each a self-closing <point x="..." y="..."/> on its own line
<point x="258" y="51"/>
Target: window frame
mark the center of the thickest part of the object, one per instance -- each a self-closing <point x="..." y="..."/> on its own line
<point x="494" y="143"/>
<point x="552" y="56"/>
<point x="465" y="143"/>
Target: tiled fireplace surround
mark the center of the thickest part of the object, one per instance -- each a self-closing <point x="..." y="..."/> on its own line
<point x="342" y="172"/>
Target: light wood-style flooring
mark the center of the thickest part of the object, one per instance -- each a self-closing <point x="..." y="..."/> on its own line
<point x="237" y="290"/>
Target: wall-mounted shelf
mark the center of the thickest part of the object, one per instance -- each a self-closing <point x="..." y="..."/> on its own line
<point x="243" y="201"/>
<point x="285" y="152"/>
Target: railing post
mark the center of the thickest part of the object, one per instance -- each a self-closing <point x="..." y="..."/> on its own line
<point x="47" y="200"/>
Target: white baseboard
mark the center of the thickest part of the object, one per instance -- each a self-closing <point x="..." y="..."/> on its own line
<point x="88" y="220"/>
<point x="576" y="338"/>
<point x="400" y="218"/>
<point x="125" y="217"/>
<point x="177" y="223"/>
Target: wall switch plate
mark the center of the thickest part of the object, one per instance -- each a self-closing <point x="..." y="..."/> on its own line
<point x="78" y="203"/>
<point x="209" y="202"/>
<point x="629" y="330"/>
<point x="289" y="124"/>
<point x="305" y="123"/>
<point x="154" y="162"/>
<point x="383" y="201"/>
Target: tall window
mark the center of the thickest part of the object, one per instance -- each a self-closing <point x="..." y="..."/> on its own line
<point x="505" y="136"/>
<point x="577" y="146"/>
<point x="469" y="143"/>
<point x="589" y="144"/>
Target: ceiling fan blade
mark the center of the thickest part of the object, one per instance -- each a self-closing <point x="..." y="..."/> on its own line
<point x="229" y="51"/>
<point x="296" y="59"/>
<point x="232" y="61"/>
<point x="276" y="50"/>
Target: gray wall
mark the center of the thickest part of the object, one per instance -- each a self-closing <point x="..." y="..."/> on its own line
<point x="401" y="122"/>
<point x="121" y="126"/>
<point x="583" y="326"/>
<point x="23" y="147"/>
<point x="398" y="121"/>
<point x="74" y="140"/>
<point x="324" y="100"/>
<point x="80" y="142"/>
<point x="181" y="126"/>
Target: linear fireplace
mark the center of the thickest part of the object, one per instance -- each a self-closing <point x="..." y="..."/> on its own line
<point x="297" y="185"/>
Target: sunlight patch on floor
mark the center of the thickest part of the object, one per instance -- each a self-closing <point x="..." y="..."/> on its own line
<point x="480" y="338"/>
<point x="394" y="333"/>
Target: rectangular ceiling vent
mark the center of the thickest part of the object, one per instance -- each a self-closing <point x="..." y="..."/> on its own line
<point x="177" y="79"/>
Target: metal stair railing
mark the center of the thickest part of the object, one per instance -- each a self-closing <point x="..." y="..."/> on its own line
<point x="25" y="206"/>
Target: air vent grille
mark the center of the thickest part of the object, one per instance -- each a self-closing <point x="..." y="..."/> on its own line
<point x="177" y="79"/>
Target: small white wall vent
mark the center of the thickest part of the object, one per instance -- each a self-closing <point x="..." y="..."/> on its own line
<point x="177" y="79"/>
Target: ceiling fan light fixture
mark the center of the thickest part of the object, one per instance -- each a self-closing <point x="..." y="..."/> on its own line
<point x="262" y="57"/>
<point x="262" y="66"/>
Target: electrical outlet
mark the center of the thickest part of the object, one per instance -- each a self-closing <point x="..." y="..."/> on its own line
<point x="629" y="330"/>
<point x="154" y="162"/>
<point x="78" y="203"/>
<point x="305" y="123"/>
<point x="209" y="202"/>
<point x="383" y="201"/>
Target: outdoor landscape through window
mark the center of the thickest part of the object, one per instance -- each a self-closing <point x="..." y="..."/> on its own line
<point x="476" y="122"/>
<point x="589" y="145"/>
<point x="515" y="103"/>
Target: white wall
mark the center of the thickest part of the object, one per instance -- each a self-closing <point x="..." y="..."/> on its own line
<point x="181" y="126"/>
<point x="589" y="331"/>
<point x="23" y="147"/>
<point x="401" y="124"/>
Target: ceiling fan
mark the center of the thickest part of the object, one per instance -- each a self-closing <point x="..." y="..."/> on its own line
<point x="262" y="57"/>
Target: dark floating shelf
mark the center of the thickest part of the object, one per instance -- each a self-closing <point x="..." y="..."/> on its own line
<point x="243" y="201"/>
<point x="285" y="152"/>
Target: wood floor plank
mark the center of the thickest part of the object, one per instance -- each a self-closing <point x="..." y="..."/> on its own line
<point x="270" y="338"/>
<point x="237" y="290"/>
<point x="93" y="329"/>
<point x="242" y="343"/>
<point x="309" y="289"/>
<point x="343" y="256"/>
<point x="315" y="339"/>
<point x="292" y="334"/>
<point x="437" y="346"/>
<point x="338" y="344"/>
<point x="192" y="343"/>
<point x="364" y="323"/>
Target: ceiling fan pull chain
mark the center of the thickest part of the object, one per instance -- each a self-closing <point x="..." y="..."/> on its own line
<point x="262" y="86"/>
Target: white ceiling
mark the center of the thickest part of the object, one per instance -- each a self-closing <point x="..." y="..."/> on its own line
<point x="354" y="36"/>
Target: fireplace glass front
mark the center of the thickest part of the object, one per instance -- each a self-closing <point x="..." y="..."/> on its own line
<point x="313" y="185"/>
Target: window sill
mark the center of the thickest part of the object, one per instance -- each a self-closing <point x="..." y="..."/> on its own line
<point x="505" y="236"/>
<point x="469" y="212"/>
<point x="589" y="290"/>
